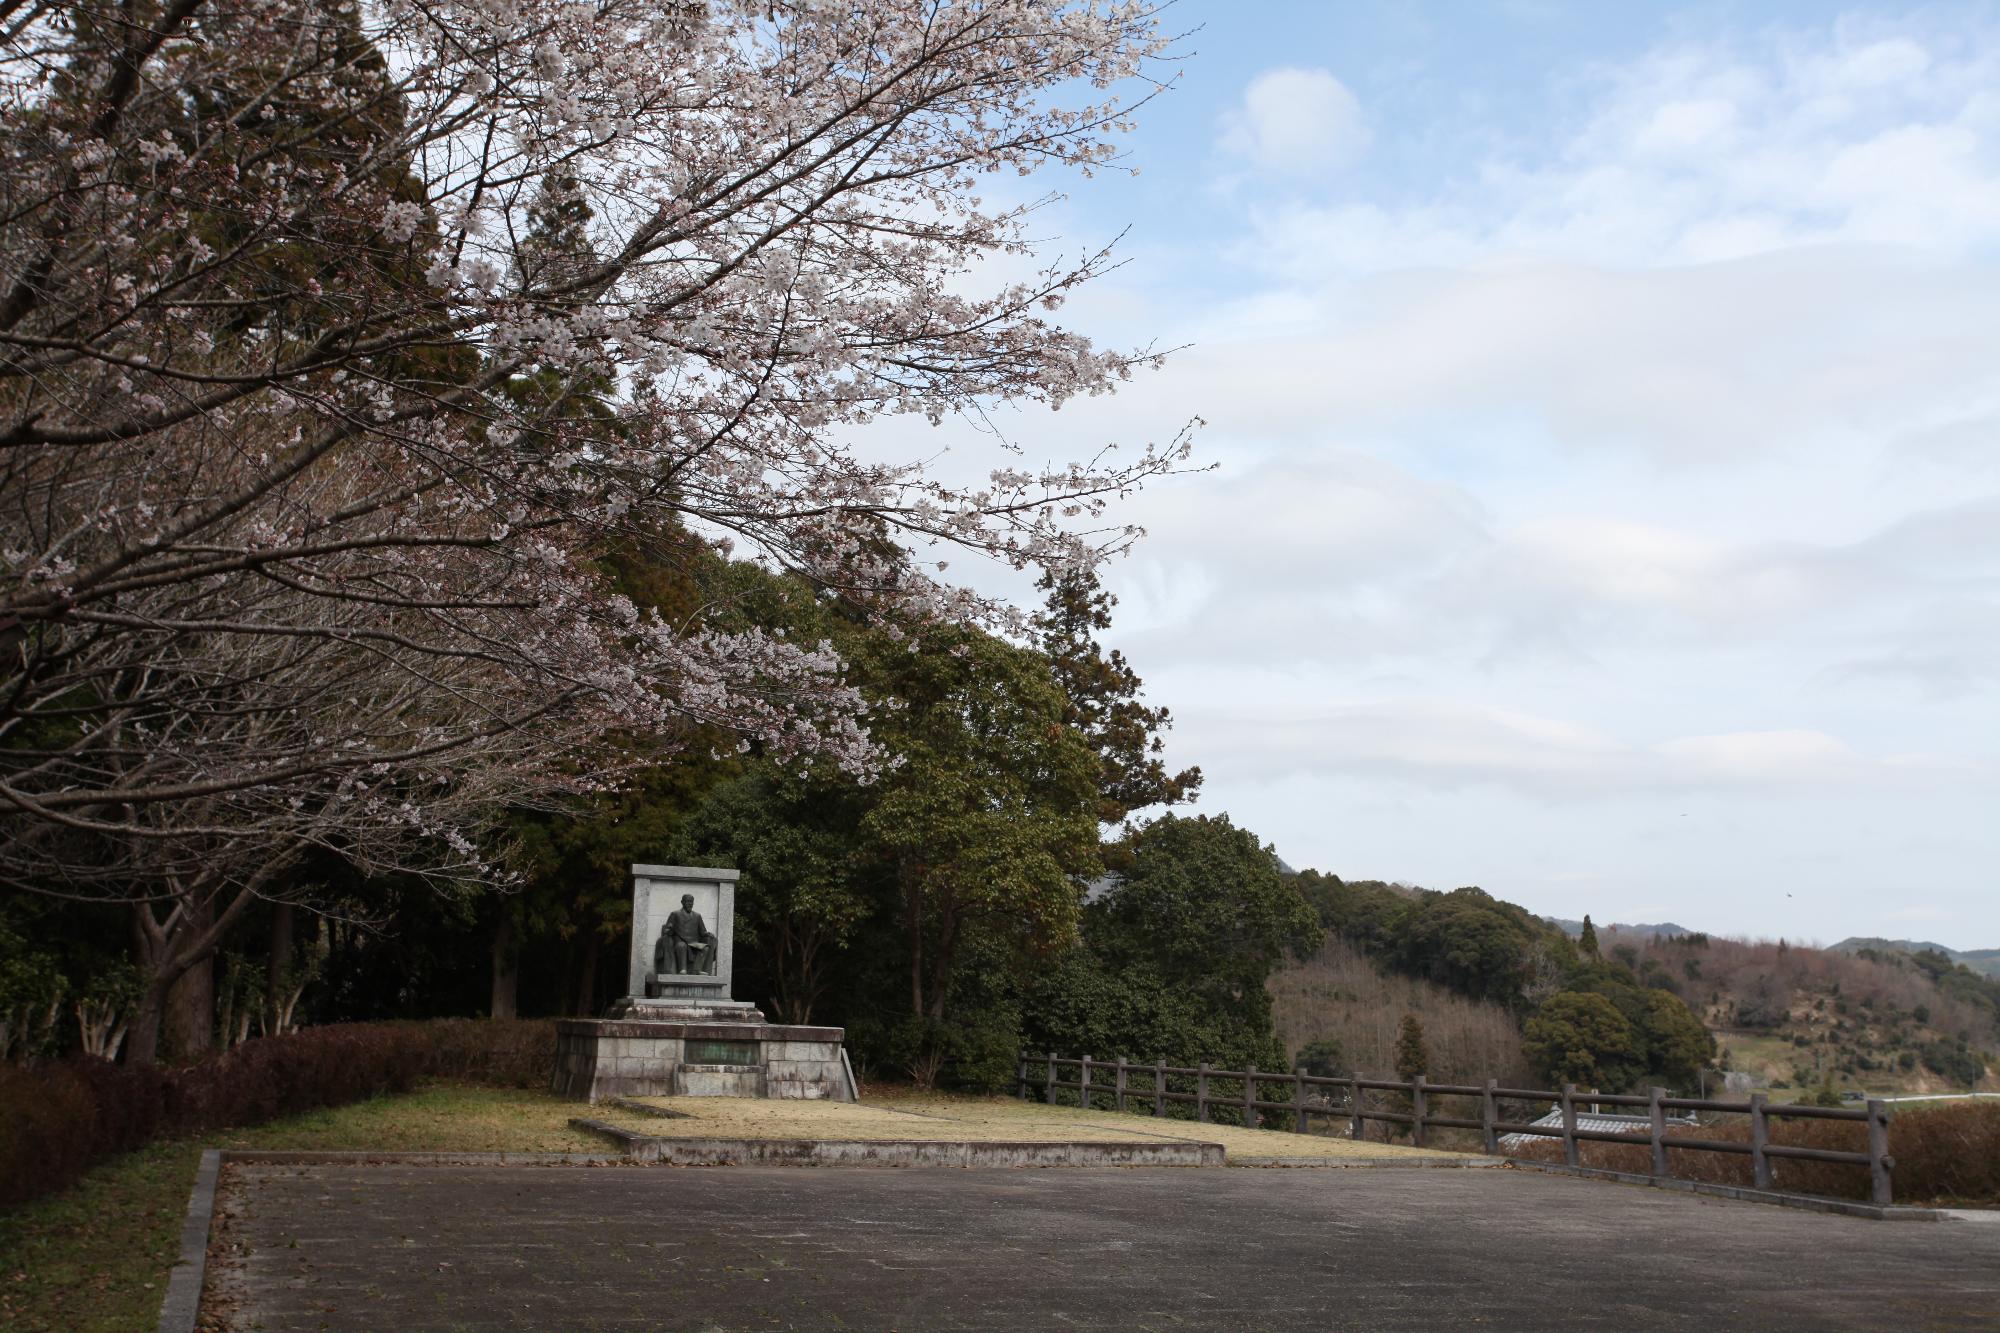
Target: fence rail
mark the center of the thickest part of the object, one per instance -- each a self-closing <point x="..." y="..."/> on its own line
<point x="1314" y="1095"/>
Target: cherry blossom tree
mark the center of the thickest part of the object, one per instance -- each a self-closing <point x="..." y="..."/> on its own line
<point x="337" y="341"/>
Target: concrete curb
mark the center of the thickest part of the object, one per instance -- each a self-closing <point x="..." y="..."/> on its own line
<point x="1429" y="1163"/>
<point x="637" y="1107"/>
<point x="898" y="1152"/>
<point x="1986" y="1215"/>
<point x="1808" y="1202"/>
<point x="182" y="1304"/>
<point x="329" y="1157"/>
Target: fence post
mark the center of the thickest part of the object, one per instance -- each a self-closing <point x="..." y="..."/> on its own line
<point x="1760" y="1137"/>
<point x="1159" y="1087"/>
<point x="1201" y="1092"/>
<point x="1659" y="1114"/>
<point x="1417" y="1110"/>
<point x="1049" y="1088"/>
<point x="1083" y="1084"/>
<point x="1489" y="1112"/>
<point x="1880" y="1164"/>
<point x="1360" y="1133"/>
<point x="1569" y="1124"/>
<point x="1118" y="1094"/>
<point x="1250" y="1098"/>
<point x="1299" y="1096"/>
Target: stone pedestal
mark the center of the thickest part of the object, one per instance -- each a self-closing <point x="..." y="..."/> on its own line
<point x="680" y="1034"/>
<point x="598" y="1058"/>
<point x="684" y="1011"/>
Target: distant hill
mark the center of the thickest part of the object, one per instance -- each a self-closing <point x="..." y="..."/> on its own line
<point x="1888" y="1019"/>
<point x="1983" y="961"/>
<point x="1660" y="930"/>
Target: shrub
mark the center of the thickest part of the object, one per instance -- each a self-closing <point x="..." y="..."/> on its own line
<point x="501" y="1052"/>
<point x="1949" y="1153"/>
<point x="47" y="1122"/>
<point x="1324" y="1058"/>
<point x="1954" y="1061"/>
<point x="58" y="1119"/>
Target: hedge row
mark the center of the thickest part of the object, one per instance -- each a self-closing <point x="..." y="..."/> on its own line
<point x="56" y="1120"/>
<point x="1946" y="1152"/>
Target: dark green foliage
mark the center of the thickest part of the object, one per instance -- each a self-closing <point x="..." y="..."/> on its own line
<point x="1205" y="905"/>
<point x="1583" y="1039"/>
<point x="1587" y="942"/>
<point x="1367" y="913"/>
<point x="1104" y="704"/>
<point x="977" y="1054"/>
<point x="1468" y="941"/>
<point x="1082" y="1006"/>
<point x="1954" y="1061"/>
<point x="1413" y="1058"/>
<point x="1175" y="957"/>
<point x="1678" y="1047"/>
<point x="1465" y="940"/>
<point x="806" y="885"/>
<point x="1323" y="1058"/>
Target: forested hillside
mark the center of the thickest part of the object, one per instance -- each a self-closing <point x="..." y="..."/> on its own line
<point x="1347" y="1010"/>
<point x="1796" y="1016"/>
<point x="1514" y="991"/>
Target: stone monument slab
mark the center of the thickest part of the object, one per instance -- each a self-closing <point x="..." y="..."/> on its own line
<point x="678" y="1031"/>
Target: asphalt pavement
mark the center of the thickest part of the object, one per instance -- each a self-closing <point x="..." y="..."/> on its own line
<point x="726" y="1248"/>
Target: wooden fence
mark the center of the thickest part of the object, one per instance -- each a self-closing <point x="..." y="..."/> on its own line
<point x="1307" y="1095"/>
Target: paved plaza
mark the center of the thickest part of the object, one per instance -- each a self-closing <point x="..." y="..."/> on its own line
<point x="631" y="1248"/>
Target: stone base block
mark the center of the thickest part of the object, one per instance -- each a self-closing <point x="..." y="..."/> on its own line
<point x="627" y="1057"/>
<point x="683" y="1009"/>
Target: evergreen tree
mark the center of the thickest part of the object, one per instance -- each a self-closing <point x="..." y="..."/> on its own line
<point x="1587" y="942"/>
<point x="1413" y="1057"/>
<point x="1104" y="704"/>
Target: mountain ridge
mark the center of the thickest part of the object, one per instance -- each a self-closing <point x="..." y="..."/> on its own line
<point x="1985" y="961"/>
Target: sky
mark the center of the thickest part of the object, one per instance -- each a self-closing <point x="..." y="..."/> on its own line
<point x="1604" y="405"/>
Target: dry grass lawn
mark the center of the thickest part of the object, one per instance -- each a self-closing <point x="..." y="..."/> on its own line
<point x="943" y="1117"/>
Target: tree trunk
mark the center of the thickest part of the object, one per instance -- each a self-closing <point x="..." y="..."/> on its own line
<point x="916" y="933"/>
<point x="142" y="1041"/>
<point x="506" y="967"/>
<point x="190" y="1016"/>
<point x="278" y="964"/>
<point x="586" y="986"/>
<point x="941" y="956"/>
<point x="184" y="940"/>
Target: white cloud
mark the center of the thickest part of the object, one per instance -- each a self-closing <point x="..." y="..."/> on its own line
<point x="1436" y="744"/>
<point x="1295" y="121"/>
<point x="1623" y="512"/>
<point x="1709" y="152"/>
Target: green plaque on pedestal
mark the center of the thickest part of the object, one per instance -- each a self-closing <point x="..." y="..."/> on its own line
<point x="721" y="1052"/>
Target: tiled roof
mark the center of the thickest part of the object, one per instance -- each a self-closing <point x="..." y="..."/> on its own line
<point x="1595" y="1121"/>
